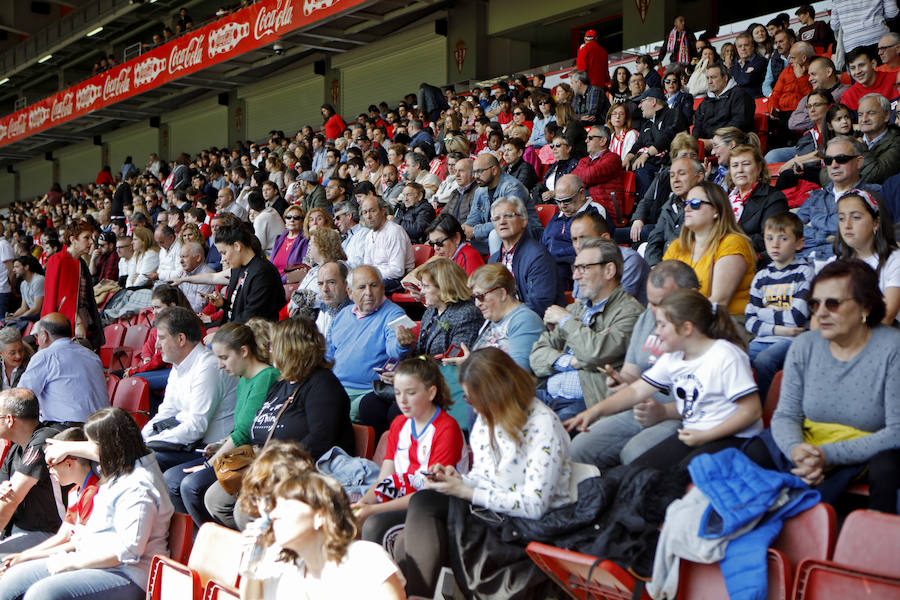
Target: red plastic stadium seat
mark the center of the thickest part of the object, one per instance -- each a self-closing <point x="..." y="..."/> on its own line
<point x="133" y="395"/>
<point x="762" y="106"/>
<point x="27" y="330"/>
<point x="421" y="253"/>
<point x="289" y="289"/>
<point x="217" y="591"/>
<point x="705" y="582"/>
<point x="380" y="449"/>
<point x="170" y="579"/>
<point x="545" y="212"/>
<point x="864" y="564"/>
<point x="181" y="537"/>
<point x="5" y="445"/>
<point x="809" y="535"/>
<point x="701" y="149"/>
<point x="571" y="571"/>
<point x="624" y="200"/>
<point x="698" y="101"/>
<point x="111" y="382"/>
<point x="365" y="440"/>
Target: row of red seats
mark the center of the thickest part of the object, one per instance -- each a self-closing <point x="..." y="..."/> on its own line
<point x="804" y="563"/>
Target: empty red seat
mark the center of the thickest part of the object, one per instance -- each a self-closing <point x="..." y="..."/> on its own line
<point x="133" y="395"/>
<point x="421" y="253"/>
<point x="365" y="440"/>
<point x="581" y="575"/>
<point x="545" y="212"/>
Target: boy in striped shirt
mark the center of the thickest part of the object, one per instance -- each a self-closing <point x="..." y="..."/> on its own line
<point x="777" y="311"/>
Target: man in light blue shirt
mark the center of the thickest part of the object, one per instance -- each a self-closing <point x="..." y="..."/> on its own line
<point x="66" y="377"/>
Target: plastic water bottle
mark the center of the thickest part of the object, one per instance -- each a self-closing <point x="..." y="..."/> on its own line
<point x="251" y="558"/>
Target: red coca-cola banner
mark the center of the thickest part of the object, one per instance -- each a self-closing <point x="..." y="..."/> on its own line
<point x="230" y="36"/>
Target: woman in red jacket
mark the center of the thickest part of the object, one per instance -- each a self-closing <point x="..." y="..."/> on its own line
<point x="334" y="124"/>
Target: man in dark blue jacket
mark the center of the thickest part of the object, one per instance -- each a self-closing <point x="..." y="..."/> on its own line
<point x="533" y="268"/>
<point x="749" y="69"/>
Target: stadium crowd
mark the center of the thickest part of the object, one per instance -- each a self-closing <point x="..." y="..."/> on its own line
<point x="550" y="302"/>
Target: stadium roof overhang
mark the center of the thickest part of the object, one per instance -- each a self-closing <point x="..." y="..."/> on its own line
<point x="220" y="56"/>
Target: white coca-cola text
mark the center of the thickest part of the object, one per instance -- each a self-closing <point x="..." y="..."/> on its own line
<point x="269" y="22"/>
<point x="62" y="107"/>
<point x="181" y="58"/>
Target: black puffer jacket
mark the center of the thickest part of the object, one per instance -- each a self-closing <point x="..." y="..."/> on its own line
<point x="733" y="107"/>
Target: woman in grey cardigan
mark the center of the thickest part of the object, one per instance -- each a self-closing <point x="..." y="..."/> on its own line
<point x="839" y="410"/>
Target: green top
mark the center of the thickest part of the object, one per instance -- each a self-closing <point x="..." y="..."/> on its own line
<point x="251" y="393"/>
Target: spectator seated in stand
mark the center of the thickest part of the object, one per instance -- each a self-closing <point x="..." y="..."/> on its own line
<point x="650" y="150"/>
<point x="590" y="225"/>
<point x="30" y="510"/>
<point x="446" y="237"/>
<point x="573" y="201"/>
<point x="843" y="163"/>
<point x="590" y="101"/>
<point x="889" y="53"/>
<point x="360" y="339"/>
<point x="601" y="172"/>
<point x="621" y="437"/>
<point x="752" y="199"/>
<point x="862" y="63"/>
<point x="535" y="271"/>
<point x="563" y="164"/>
<point x="725" y="105"/>
<point x="684" y="174"/>
<point x="882" y="138"/>
<point x="494" y="183"/>
<point x="792" y="84"/>
<point x="193" y="262"/>
<point x="513" y="150"/>
<point x="588" y="334"/>
<point x="414" y="213"/>
<point x="60" y="366"/>
<point x="749" y="68"/>
<point x="779" y="60"/>
<point x="815" y="33"/>
<point x="388" y="248"/>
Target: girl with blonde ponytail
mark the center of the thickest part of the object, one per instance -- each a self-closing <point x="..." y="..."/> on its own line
<point x="706" y="369"/>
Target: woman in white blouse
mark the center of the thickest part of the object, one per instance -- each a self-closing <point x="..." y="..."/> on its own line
<point x="520" y="469"/>
<point x="110" y="555"/>
<point x="145" y="259"/>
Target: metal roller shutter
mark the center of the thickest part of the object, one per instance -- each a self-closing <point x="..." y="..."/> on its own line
<point x="80" y="163"/>
<point x="287" y="101"/>
<point x="136" y="141"/>
<point x="198" y="126"/>
<point x="35" y="177"/>
<point x="390" y="69"/>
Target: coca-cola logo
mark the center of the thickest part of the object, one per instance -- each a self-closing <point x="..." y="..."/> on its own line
<point x="311" y="6"/>
<point x="18" y="125"/>
<point x="118" y="85"/>
<point x="269" y="22"/>
<point x="226" y="38"/>
<point x="62" y="107"/>
<point x="86" y="96"/>
<point x="148" y="70"/>
<point x="188" y="56"/>
<point x="37" y="116"/>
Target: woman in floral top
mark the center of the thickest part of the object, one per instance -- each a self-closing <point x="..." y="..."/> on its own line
<point x="521" y="464"/>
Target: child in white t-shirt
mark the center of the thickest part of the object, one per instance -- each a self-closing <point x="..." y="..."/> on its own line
<point x="708" y="372"/>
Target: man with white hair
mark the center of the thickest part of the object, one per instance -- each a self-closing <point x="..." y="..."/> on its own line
<point x="882" y="159"/>
<point x="537" y="283"/>
<point x="889" y="53"/>
<point x="193" y="262"/>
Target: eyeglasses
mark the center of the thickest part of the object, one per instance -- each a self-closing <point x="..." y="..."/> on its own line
<point x="695" y="203"/>
<point x="880" y="48"/>
<point x="596" y="137"/>
<point x="557" y="145"/>
<point x="544" y="102"/>
<point x="580" y="269"/>
<point x="670" y="81"/>
<point x="507" y="215"/>
<point x="841" y="159"/>
<point x="831" y="304"/>
<point x="437" y="243"/>
<point x="123" y="247"/>
<point x="518" y="112"/>
<point x="480" y="297"/>
<point x="293" y="218"/>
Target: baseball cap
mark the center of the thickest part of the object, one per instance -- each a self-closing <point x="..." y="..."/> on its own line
<point x="652" y="93"/>
<point x="590" y="34"/>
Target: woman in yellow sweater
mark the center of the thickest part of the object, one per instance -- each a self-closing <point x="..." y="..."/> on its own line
<point x="715" y="247"/>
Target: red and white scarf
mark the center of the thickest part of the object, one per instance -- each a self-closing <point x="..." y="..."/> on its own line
<point x="683" y="56"/>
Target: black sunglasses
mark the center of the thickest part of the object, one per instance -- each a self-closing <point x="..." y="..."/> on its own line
<point x="293" y="218"/>
<point x="841" y="159"/>
<point x="437" y="243"/>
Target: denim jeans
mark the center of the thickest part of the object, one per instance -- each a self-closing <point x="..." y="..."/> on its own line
<point x="20" y="539"/>
<point x="565" y="408"/>
<point x="177" y="480"/>
<point x="780" y="155"/>
<point x="767" y="359"/>
<point x="618" y="439"/>
<point x="157" y="379"/>
<point x="31" y="581"/>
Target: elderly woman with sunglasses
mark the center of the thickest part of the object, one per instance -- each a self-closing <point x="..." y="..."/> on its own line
<point x="290" y="247"/>
<point x="828" y="429"/>
<point x="676" y="97"/>
<point x="446" y="237"/>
